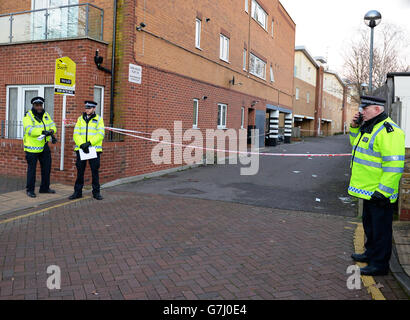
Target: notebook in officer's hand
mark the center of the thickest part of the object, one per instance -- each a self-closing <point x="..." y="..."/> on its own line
<point x="90" y="155"/>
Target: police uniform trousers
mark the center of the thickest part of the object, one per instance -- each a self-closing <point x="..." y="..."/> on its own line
<point x="377" y="224"/>
<point x="95" y="166"/>
<point x="44" y="158"/>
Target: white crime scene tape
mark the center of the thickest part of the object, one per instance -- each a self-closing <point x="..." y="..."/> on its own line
<point x="129" y="133"/>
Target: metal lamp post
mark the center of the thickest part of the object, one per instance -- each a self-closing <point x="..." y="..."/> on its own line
<point x="372" y="19"/>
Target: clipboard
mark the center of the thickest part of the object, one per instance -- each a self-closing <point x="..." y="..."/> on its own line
<point x="90" y="155"/>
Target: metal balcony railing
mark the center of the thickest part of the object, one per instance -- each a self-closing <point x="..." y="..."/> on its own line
<point x="71" y="21"/>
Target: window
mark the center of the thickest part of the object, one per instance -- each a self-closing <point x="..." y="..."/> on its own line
<point x="295" y="71"/>
<point x="259" y="14"/>
<point x="195" y="117"/>
<point x="99" y="98"/>
<point x="224" y="48"/>
<point x="257" y="66"/>
<point x="222" y="116"/>
<point x="242" y="116"/>
<point x="244" y="59"/>
<point x="19" y="102"/>
<point x="246" y="5"/>
<point x="272" y="77"/>
<point x="297" y="94"/>
<point x="198" y="33"/>
<point x="307" y="97"/>
<point x="272" y="28"/>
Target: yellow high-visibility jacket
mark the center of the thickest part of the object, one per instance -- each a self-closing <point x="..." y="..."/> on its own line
<point x="91" y="130"/>
<point x="32" y="130"/>
<point x="377" y="160"/>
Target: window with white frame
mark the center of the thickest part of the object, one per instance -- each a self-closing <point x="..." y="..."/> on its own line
<point x="259" y="14"/>
<point x="244" y="59"/>
<point x="273" y="21"/>
<point x="19" y="102"/>
<point x="224" y="48"/>
<point x="272" y="77"/>
<point x="307" y="97"/>
<point x="246" y="5"/>
<point x="242" y="116"/>
<point x="99" y="98"/>
<point x="297" y="94"/>
<point x="257" y="66"/>
<point x="195" y="115"/>
<point x="198" y="33"/>
<point x="222" y="109"/>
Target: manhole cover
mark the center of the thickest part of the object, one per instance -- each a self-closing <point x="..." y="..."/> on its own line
<point x="186" y="191"/>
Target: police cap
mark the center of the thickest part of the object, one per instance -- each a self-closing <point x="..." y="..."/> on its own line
<point x="37" y="100"/>
<point x="90" y="104"/>
<point x="366" y="101"/>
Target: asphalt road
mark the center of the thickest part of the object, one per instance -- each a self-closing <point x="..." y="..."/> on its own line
<point x="318" y="184"/>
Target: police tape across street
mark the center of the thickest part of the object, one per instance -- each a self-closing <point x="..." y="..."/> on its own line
<point x="129" y="133"/>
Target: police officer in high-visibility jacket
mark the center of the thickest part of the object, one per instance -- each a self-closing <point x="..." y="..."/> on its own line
<point x="88" y="132"/>
<point x="377" y="165"/>
<point x="37" y="123"/>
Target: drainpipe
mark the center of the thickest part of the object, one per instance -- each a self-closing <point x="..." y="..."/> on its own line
<point x="114" y="37"/>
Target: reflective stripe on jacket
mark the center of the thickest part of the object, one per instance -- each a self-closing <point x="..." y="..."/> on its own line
<point x="92" y="131"/>
<point x="32" y="129"/>
<point x="377" y="161"/>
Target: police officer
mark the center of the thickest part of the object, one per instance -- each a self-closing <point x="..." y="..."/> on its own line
<point x="88" y="132"/>
<point x="376" y="167"/>
<point x="37" y="123"/>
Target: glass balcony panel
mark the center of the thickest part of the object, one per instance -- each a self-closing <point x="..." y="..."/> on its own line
<point x="5" y="29"/>
<point x="55" y="23"/>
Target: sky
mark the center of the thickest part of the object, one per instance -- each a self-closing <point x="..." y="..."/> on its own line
<point x="325" y="26"/>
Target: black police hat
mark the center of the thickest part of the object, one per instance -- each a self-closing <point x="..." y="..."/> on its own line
<point x="366" y="101"/>
<point x="90" y="104"/>
<point x="39" y="100"/>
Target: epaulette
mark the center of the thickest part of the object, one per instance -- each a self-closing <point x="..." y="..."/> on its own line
<point x="389" y="127"/>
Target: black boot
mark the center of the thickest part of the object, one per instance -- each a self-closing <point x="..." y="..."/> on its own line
<point x="48" y="191"/>
<point x="31" y="194"/>
<point x="75" y="195"/>
<point x="98" y="196"/>
<point x="373" y="271"/>
<point x="360" y="257"/>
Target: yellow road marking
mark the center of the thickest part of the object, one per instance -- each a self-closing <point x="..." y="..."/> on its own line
<point x="368" y="281"/>
<point x="42" y="210"/>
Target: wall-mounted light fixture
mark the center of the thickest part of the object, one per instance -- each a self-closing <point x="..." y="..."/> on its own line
<point x="233" y="83"/>
<point x="141" y="26"/>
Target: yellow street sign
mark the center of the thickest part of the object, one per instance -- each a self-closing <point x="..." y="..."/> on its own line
<point x="64" y="79"/>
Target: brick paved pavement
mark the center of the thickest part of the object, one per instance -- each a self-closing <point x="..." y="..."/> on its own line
<point x="133" y="246"/>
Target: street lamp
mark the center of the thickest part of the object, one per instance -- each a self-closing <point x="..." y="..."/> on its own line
<point x="372" y="19"/>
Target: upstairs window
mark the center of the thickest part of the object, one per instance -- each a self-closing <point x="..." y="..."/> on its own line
<point x="259" y="14"/>
<point x="308" y="97"/>
<point x="297" y="94"/>
<point x="198" y="33"/>
<point x="244" y="59"/>
<point x="257" y="66"/>
<point x="224" y="48"/>
<point x="272" y="77"/>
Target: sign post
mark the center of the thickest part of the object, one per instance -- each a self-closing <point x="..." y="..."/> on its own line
<point x="64" y="83"/>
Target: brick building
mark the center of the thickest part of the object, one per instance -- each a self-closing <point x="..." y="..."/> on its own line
<point x="319" y="102"/>
<point x="208" y="64"/>
<point x="305" y="99"/>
